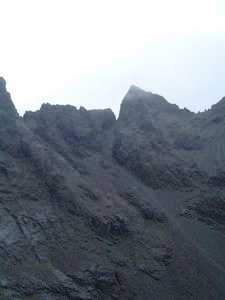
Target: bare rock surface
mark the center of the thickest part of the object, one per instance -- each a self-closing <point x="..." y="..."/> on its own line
<point x="97" y="208"/>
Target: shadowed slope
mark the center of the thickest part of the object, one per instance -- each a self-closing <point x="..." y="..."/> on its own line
<point x="98" y="208"/>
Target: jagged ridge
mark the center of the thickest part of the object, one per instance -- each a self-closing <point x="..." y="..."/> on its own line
<point x="98" y="208"/>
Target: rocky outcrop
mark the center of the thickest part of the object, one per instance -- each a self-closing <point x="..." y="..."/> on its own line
<point x="156" y="154"/>
<point x="98" y="208"/>
<point x="6" y="104"/>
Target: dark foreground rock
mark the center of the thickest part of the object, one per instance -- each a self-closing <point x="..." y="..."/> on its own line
<point x="97" y="208"/>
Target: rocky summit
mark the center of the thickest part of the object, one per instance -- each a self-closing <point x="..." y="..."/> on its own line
<point x="94" y="207"/>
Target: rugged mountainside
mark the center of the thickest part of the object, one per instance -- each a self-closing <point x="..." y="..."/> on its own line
<point x="98" y="208"/>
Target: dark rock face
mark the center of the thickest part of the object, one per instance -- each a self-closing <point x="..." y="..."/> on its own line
<point x="98" y="208"/>
<point x="6" y="104"/>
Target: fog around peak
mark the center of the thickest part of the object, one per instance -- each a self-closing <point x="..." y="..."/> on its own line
<point x="88" y="53"/>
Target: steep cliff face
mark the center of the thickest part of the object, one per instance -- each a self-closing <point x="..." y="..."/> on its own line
<point x="161" y="152"/>
<point x="98" y="208"/>
<point x="173" y="147"/>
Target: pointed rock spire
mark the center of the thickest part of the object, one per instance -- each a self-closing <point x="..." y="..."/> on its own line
<point x="138" y="102"/>
<point x="6" y="104"/>
<point x="135" y="92"/>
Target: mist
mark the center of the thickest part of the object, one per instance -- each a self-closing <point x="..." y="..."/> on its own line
<point x="89" y="52"/>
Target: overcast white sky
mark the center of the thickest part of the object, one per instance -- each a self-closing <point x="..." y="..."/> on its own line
<point x="88" y="53"/>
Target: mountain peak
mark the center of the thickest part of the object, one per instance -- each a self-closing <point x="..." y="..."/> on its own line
<point x="6" y="104"/>
<point x="135" y="88"/>
<point x="95" y="208"/>
<point x="135" y="92"/>
<point x="138" y="102"/>
<point x="219" y="105"/>
<point x="2" y="84"/>
<point x="138" y="96"/>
